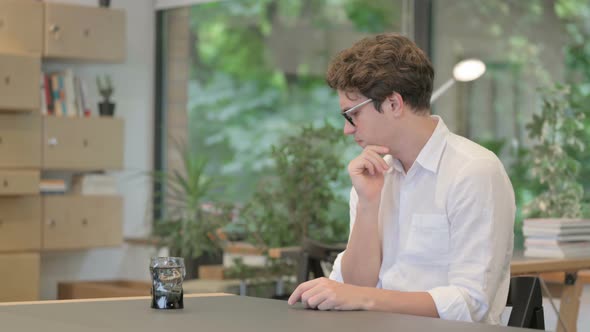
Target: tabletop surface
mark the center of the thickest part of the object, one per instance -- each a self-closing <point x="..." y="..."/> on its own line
<point x="224" y="313"/>
<point x="532" y="265"/>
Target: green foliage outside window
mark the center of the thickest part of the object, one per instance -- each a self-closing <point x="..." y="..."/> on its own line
<point x="557" y="131"/>
<point x="545" y="187"/>
<point x="242" y="99"/>
<point x="296" y="199"/>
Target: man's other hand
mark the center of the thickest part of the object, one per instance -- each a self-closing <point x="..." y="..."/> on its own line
<point x="326" y="294"/>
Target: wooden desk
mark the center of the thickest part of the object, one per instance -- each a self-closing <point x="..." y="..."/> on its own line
<point x="570" y="294"/>
<point x="572" y="287"/>
<point x="212" y="314"/>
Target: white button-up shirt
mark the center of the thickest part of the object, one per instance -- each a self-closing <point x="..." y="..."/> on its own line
<point x="447" y="228"/>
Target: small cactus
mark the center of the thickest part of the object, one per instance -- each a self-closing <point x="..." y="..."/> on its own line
<point x="105" y="88"/>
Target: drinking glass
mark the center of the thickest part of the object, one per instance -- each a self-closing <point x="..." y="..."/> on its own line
<point x="167" y="276"/>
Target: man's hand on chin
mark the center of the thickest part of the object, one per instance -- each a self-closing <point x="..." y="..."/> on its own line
<point x="326" y="294"/>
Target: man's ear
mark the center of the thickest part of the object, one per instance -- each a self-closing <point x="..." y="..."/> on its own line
<point x="395" y="103"/>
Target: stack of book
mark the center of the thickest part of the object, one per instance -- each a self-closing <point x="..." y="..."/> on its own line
<point x="558" y="238"/>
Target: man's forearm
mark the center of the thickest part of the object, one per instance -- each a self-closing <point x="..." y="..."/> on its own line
<point x="362" y="259"/>
<point x="411" y="303"/>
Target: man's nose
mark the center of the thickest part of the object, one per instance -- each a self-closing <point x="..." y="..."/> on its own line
<point x="349" y="129"/>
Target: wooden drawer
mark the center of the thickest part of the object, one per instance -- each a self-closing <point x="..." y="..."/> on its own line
<point x="82" y="143"/>
<point x="82" y="32"/>
<point x="21" y="26"/>
<point x="20" y="223"/>
<point x="20" y="75"/>
<point x="20" y="135"/>
<point x="19" y="277"/>
<point x="79" y="222"/>
<point x="19" y="182"/>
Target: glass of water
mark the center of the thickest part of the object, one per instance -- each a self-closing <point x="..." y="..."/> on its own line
<point x="167" y="276"/>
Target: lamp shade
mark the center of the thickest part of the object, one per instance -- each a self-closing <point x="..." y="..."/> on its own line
<point x="468" y="70"/>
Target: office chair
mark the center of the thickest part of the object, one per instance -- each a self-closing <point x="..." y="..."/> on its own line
<point x="526" y="300"/>
<point x="310" y="260"/>
<point x="313" y="254"/>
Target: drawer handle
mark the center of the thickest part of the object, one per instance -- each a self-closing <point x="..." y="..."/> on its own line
<point x="51" y="223"/>
<point x="52" y="141"/>
<point x="54" y="29"/>
<point x="7" y="80"/>
<point x="85" y="222"/>
<point x="86" y="32"/>
<point x="85" y="143"/>
<point x="5" y="183"/>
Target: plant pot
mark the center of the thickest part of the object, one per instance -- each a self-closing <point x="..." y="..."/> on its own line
<point x="106" y="108"/>
<point x="104" y="3"/>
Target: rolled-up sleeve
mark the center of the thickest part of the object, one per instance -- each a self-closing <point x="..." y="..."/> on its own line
<point x="336" y="273"/>
<point x="481" y="213"/>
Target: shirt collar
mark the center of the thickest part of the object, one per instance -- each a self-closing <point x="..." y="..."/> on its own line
<point x="394" y="164"/>
<point x="430" y="155"/>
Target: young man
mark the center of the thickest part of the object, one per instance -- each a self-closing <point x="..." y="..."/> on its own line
<point x="431" y="213"/>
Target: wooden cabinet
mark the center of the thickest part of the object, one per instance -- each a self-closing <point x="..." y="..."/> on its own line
<point x="21" y="26"/>
<point x="78" y="222"/>
<point x="20" y="228"/>
<point x="81" y="32"/>
<point x="32" y="31"/>
<point x="19" y="82"/>
<point x="19" y="277"/>
<point x="82" y="143"/>
<point x="20" y="135"/>
<point x="19" y="182"/>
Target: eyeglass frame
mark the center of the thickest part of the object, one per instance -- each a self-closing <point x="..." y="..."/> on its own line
<point x="346" y="115"/>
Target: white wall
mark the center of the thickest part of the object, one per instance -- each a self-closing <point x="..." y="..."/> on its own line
<point x="134" y="96"/>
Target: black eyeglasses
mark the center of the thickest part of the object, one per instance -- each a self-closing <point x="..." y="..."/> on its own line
<point x="346" y="113"/>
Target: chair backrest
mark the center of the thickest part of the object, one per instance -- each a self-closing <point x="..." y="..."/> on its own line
<point x="526" y="299"/>
<point x="315" y="253"/>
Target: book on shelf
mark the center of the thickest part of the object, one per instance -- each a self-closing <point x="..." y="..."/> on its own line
<point x="552" y="232"/>
<point x="555" y="227"/>
<point x="556" y="223"/>
<point x="573" y="251"/>
<point x="556" y="240"/>
<point x="63" y="94"/>
<point x="52" y="186"/>
<point x="94" y="184"/>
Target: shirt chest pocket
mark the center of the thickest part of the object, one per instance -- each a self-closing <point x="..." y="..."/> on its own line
<point x="428" y="240"/>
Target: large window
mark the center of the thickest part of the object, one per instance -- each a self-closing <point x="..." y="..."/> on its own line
<point x="241" y="74"/>
<point x="527" y="46"/>
<point x="255" y="73"/>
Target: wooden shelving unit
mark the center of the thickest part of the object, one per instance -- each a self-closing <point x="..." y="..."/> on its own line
<point x="30" y="32"/>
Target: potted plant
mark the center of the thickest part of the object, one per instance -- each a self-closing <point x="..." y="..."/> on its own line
<point x="556" y="132"/>
<point x="191" y="220"/>
<point x="296" y="200"/>
<point x="106" y="90"/>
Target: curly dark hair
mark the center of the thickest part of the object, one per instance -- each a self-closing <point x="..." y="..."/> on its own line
<point x="379" y="65"/>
